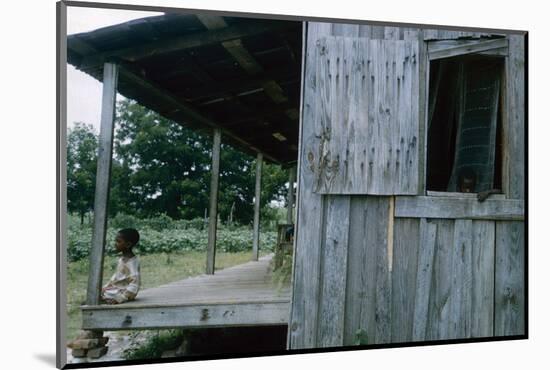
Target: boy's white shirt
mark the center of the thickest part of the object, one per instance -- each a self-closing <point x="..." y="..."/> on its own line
<point x="125" y="282"/>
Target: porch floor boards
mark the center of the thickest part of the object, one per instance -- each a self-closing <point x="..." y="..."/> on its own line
<point x="241" y="295"/>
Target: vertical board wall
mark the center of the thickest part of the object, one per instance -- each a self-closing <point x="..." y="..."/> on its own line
<point x="369" y="269"/>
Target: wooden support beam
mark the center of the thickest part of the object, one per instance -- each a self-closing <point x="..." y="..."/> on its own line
<point x="213" y="214"/>
<point x="514" y="124"/>
<point x="101" y="199"/>
<point x="458" y="208"/>
<point x="245" y="59"/>
<point x="439" y="52"/>
<point x="257" y="195"/>
<point x="193" y="40"/>
<point x="290" y="209"/>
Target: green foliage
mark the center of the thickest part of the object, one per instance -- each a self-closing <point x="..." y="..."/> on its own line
<point x="81" y="168"/>
<point x="361" y="337"/>
<point x="160" y="185"/>
<point x="163" y="235"/>
<point x="155" y="345"/>
<point x="283" y="274"/>
<point x="164" y="168"/>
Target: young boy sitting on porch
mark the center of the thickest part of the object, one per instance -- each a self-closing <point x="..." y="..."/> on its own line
<point x="124" y="284"/>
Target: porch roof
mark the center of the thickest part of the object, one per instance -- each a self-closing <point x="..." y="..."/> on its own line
<point x="241" y="75"/>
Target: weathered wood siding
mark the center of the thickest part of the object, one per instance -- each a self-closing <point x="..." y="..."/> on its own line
<point x="442" y="34"/>
<point x="395" y="268"/>
<point x="367" y="123"/>
<point x="514" y="119"/>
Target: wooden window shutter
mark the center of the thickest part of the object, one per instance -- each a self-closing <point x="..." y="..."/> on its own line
<point x="366" y="117"/>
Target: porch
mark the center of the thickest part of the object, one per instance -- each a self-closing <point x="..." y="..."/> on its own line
<point x="242" y="295"/>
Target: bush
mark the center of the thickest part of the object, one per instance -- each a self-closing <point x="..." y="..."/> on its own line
<point x="196" y="223"/>
<point x="156" y="237"/>
<point x="123" y="221"/>
<point x="158" y="223"/>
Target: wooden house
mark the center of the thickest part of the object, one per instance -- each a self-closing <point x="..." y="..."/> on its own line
<point x="394" y="131"/>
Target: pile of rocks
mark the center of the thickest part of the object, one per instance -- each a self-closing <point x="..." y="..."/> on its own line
<point x="89" y="343"/>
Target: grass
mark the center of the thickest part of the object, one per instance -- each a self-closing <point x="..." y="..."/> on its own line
<point x="156" y="269"/>
<point x="155" y="345"/>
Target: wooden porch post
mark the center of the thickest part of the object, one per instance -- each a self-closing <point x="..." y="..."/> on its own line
<point x="290" y="202"/>
<point x="213" y="215"/>
<point x="256" y="233"/>
<point x="103" y="177"/>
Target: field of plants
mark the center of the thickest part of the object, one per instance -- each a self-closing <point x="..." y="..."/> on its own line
<point x="161" y="234"/>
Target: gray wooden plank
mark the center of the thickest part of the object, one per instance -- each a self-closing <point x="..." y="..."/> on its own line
<point x="391" y="33"/>
<point x="407" y="247"/>
<point x="343" y="29"/>
<point x="509" y="279"/>
<point x="368" y="291"/>
<point x="334" y="267"/>
<point x="443" y="34"/>
<point x="207" y="315"/>
<point x="458" y="208"/>
<point x="242" y="56"/>
<point x="377" y="32"/>
<point x="440" y="288"/>
<point x="453" y="194"/>
<point x="292" y="326"/>
<point x="213" y="206"/>
<point x="212" y="22"/>
<point x="514" y="123"/>
<point x="428" y="232"/>
<point x="383" y="282"/>
<point x="306" y="274"/>
<point x="438" y="45"/>
<point x="468" y="48"/>
<point x="103" y="177"/>
<point x="356" y="279"/>
<point x="460" y="299"/>
<point x="422" y="107"/>
<point x="257" y="195"/>
<point x="365" y="31"/>
<point x="483" y="284"/>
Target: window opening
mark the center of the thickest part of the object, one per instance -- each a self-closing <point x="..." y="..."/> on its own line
<point x="464" y="124"/>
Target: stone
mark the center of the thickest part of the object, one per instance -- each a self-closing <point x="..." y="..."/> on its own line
<point x="90" y="334"/>
<point x="83" y="343"/>
<point x="79" y="352"/>
<point x="97" y="352"/>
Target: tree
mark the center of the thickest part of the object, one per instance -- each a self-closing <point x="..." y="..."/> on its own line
<point x="165" y="165"/>
<point x="165" y="168"/>
<point x="81" y="168"/>
<point x="161" y="167"/>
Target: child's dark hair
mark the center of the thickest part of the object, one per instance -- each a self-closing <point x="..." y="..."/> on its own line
<point x="130" y="235"/>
